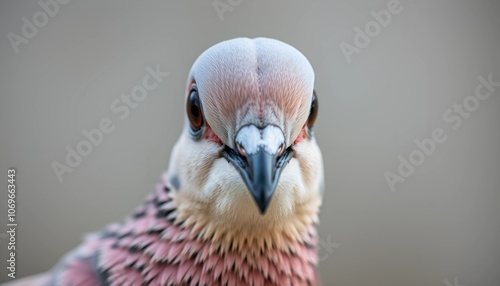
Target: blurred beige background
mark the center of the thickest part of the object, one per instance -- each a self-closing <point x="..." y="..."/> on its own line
<point x="441" y="226"/>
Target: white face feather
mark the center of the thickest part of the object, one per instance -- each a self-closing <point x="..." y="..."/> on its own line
<point x="255" y="92"/>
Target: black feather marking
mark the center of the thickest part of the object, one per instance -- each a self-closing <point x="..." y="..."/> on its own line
<point x="101" y="274"/>
<point x="164" y="213"/>
<point x="140" y="213"/>
<point x="176" y="183"/>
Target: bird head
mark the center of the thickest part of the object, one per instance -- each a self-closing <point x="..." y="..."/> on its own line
<point x="247" y="153"/>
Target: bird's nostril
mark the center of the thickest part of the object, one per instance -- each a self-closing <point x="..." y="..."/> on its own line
<point x="241" y="149"/>
<point x="280" y="149"/>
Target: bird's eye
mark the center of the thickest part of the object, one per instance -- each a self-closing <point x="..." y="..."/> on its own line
<point x="314" y="111"/>
<point x="194" y="111"/>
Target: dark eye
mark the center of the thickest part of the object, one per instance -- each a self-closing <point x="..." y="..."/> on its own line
<point x="314" y="111"/>
<point x="194" y="111"/>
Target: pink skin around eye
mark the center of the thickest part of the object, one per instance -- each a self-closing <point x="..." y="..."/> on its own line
<point x="301" y="136"/>
<point x="211" y="136"/>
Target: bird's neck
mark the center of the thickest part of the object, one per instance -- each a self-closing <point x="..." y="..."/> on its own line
<point x="261" y="233"/>
<point x="281" y="256"/>
<point x="254" y="232"/>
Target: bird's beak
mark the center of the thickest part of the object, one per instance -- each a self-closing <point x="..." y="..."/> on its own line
<point x="260" y="158"/>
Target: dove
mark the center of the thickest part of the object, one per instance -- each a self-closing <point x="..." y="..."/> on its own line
<point x="239" y="201"/>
